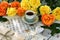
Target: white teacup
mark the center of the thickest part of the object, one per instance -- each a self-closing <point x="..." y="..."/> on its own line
<point x="30" y="15"/>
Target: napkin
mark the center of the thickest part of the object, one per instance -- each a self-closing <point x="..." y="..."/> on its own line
<point x="39" y="37"/>
<point x="7" y="34"/>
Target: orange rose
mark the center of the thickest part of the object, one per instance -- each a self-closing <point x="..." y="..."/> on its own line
<point x="2" y="11"/>
<point x="47" y="19"/>
<point x="20" y="11"/>
<point x="4" y="4"/>
<point x="15" y="4"/>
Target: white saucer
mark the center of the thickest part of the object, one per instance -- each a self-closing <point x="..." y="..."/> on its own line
<point x="28" y="22"/>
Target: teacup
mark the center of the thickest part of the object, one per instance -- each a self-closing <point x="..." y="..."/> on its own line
<point x="30" y="16"/>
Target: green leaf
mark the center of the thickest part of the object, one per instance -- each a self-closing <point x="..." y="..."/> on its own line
<point x="53" y="28"/>
<point x="53" y="3"/>
<point x="3" y="19"/>
<point x="58" y="3"/>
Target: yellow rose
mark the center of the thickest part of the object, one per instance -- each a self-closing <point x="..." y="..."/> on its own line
<point x="30" y="4"/>
<point x="56" y="12"/>
<point x="34" y="9"/>
<point x="11" y="11"/>
<point x="45" y="9"/>
<point x="25" y="4"/>
<point x="24" y="1"/>
<point x="34" y="3"/>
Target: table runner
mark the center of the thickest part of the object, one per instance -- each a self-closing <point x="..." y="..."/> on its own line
<point x="16" y="24"/>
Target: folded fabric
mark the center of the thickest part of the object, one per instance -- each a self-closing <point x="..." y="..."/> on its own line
<point x="7" y="34"/>
<point x="39" y="37"/>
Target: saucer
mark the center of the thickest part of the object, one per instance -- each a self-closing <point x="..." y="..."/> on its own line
<point x="23" y="18"/>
